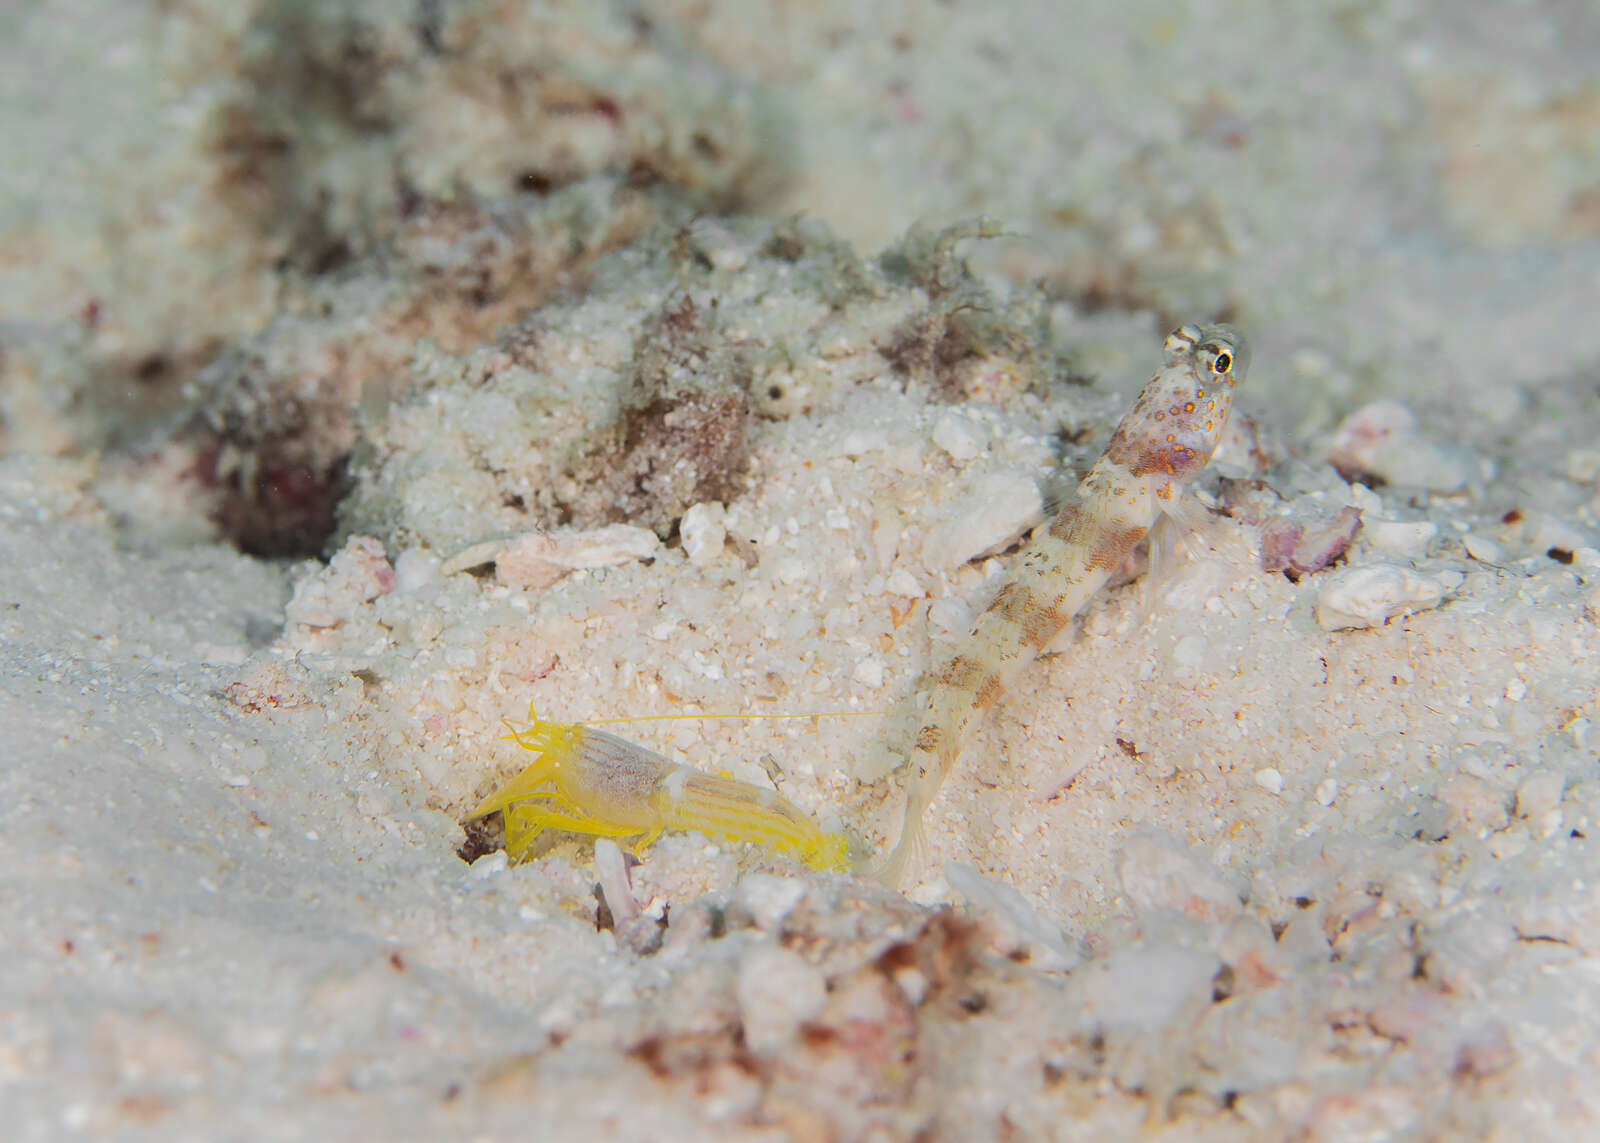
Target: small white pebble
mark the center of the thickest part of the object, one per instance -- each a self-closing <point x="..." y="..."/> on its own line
<point x="869" y="672"/>
<point x="414" y="569"/>
<point x="1327" y="791"/>
<point x="912" y="985"/>
<point x="769" y="898"/>
<point x="1364" y="498"/>
<point x="1408" y="538"/>
<point x="704" y="533"/>
<point x="959" y="436"/>
<point x="902" y="582"/>
<point x="1483" y="549"/>
<point x="1270" y="780"/>
<point x="1516" y="690"/>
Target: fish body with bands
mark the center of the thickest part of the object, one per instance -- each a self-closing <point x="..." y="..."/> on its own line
<point x="1159" y="448"/>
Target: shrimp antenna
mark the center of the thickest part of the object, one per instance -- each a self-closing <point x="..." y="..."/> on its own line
<point x="741" y="717"/>
<point x="534" y="719"/>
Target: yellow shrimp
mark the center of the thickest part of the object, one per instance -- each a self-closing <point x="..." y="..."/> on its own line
<point x="587" y="781"/>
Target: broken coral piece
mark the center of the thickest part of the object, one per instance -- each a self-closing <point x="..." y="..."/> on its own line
<point x="539" y="559"/>
<point x="1371" y="595"/>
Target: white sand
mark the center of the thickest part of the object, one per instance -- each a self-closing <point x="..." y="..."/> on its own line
<point x="1249" y="858"/>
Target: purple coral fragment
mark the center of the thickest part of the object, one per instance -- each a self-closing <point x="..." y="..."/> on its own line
<point x="1289" y="548"/>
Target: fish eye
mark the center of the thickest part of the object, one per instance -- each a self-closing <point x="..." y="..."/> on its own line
<point x="1222" y="364"/>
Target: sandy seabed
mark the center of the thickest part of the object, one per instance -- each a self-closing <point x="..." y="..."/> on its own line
<point x="371" y="372"/>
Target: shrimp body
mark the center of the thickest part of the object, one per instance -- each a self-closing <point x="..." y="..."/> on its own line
<point x="588" y="781"/>
<point x="1160" y="447"/>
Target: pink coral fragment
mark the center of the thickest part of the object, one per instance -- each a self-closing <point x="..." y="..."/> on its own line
<point x="1290" y="548"/>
